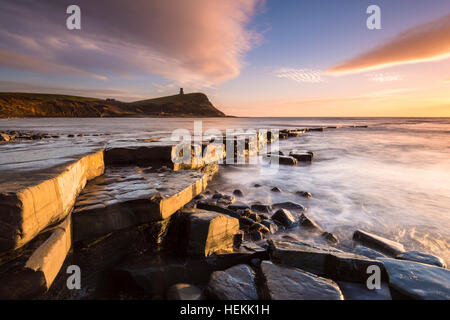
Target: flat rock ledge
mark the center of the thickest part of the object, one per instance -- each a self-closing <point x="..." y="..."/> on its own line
<point x="413" y="280"/>
<point x="284" y="283"/>
<point x="129" y="196"/>
<point x="43" y="198"/>
<point x="422" y="257"/>
<point x="323" y="260"/>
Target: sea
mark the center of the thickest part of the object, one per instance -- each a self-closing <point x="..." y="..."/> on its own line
<point x="391" y="178"/>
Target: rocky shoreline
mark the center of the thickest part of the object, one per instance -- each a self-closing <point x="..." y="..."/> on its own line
<point x="141" y="226"/>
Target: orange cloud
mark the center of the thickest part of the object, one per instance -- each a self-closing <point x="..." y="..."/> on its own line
<point x="425" y="42"/>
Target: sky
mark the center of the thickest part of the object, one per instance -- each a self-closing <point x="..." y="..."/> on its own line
<point x="253" y="58"/>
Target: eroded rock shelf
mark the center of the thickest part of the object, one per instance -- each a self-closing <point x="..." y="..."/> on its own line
<point x="142" y="224"/>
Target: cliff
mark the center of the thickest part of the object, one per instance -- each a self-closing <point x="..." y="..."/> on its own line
<point x="21" y="105"/>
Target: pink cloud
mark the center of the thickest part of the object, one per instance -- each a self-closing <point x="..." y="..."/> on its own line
<point x="425" y="42"/>
<point x="195" y="41"/>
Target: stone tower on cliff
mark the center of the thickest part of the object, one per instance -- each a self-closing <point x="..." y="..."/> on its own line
<point x="181" y="91"/>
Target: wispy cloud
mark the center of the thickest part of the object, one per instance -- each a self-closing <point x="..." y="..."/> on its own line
<point x="195" y="41"/>
<point x="384" y="77"/>
<point x="426" y="42"/>
<point x="10" y="59"/>
<point x="300" y="75"/>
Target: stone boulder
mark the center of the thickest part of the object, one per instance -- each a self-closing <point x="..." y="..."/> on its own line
<point x="283" y="160"/>
<point x="284" y="217"/>
<point x="235" y="283"/>
<point x="238" y="205"/>
<point x="283" y="283"/>
<point x="379" y="243"/>
<point x="322" y="260"/>
<point x="206" y="232"/>
<point x="300" y="155"/>
<point x="422" y="257"/>
<point x="367" y="252"/>
<point x="293" y="206"/>
<point x="415" y="280"/>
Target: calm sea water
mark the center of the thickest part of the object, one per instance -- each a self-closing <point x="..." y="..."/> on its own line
<point x="392" y="178"/>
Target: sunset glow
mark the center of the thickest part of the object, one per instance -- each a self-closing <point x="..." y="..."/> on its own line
<point x="251" y="57"/>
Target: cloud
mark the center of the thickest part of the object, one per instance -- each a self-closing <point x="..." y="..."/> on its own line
<point x="13" y="60"/>
<point x="300" y="75"/>
<point x="426" y="42"/>
<point x="385" y="77"/>
<point x="195" y="41"/>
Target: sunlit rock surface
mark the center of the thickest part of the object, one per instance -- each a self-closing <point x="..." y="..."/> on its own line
<point x="39" y="184"/>
<point x="207" y="232"/>
<point x="31" y="271"/>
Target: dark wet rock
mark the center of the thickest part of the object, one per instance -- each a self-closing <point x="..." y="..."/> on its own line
<point x="422" y="257"/>
<point x="239" y="238"/>
<point x="330" y="237"/>
<point x="238" y="193"/>
<point x="257" y="185"/>
<point x="317" y="129"/>
<point x="207" y="232"/>
<point x="254" y="216"/>
<point x="379" y="243"/>
<point x="152" y="275"/>
<point x="283" y="160"/>
<point x="322" y="260"/>
<point x="238" y="205"/>
<point x="217" y="195"/>
<point x="263" y="217"/>
<point x="417" y="280"/>
<point x="289" y="206"/>
<point x="275" y="189"/>
<point x="259" y="227"/>
<point x="258" y="207"/>
<point x="367" y="252"/>
<point x="184" y="291"/>
<point x="285" y="217"/>
<point x="359" y="291"/>
<point x="235" y="283"/>
<point x="213" y="207"/>
<point x="70" y="136"/>
<point x="284" y="283"/>
<point x="271" y="225"/>
<point x="256" y="235"/>
<point x="245" y="221"/>
<point x="200" y="197"/>
<point x="308" y="222"/>
<point x="304" y="194"/>
<point x="303" y="156"/>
